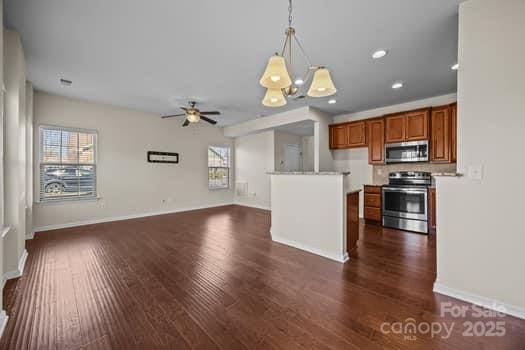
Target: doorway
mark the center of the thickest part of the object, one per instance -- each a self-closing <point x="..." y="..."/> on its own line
<point x="292" y="158"/>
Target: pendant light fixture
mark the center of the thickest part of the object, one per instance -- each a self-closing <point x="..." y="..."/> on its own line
<point x="322" y="84"/>
<point x="274" y="98"/>
<point x="280" y="84"/>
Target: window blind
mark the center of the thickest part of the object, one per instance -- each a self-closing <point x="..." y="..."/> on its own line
<point x="218" y="167"/>
<point x="67" y="163"/>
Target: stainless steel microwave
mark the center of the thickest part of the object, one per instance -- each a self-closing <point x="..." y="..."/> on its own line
<point x="405" y="152"/>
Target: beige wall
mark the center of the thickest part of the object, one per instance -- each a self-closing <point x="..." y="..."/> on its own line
<point x="254" y="157"/>
<point x="29" y="160"/>
<point x="2" y="312"/>
<point x="15" y="152"/>
<point x="481" y="237"/>
<point x="281" y="140"/>
<point x="356" y="161"/>
<point x="323" y="158"/>
<point x="127" y="184"/>
<point x="308" y="153"/>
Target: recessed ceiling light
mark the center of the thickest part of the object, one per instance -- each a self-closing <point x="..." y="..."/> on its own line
<point x="379" y="54"/>
<point x="66" y="82"/>
<point x="397" y="85"/>
<point x="299" y="82"/>
<point x="455" y="66"/>
<point x="332" y="101"/>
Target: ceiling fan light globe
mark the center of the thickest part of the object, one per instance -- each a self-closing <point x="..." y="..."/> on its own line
<point x="276" y="74"/>
<point x="274" y="98"/>
<point x="322" y="84"/>
<point x="193" y="118"/>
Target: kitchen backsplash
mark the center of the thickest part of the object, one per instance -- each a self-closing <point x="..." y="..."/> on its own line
<point x="380" y="172"/>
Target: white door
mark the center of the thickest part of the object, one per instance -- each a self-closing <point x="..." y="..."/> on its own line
<point x="292" y="158"/>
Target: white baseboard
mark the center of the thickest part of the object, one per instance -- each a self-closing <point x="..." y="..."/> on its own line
<point x="342" y="258"/>
<point x="18" y="272"/>
<point x="124" y="217"/>
<point x="30" y="235"/>
<point x="3" y="321"/>
<point x="251" y="205"/>
<point x="485" y="302"/>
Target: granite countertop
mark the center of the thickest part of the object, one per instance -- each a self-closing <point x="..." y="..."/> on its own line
<point x="447" y="174"/>
<point x="308" y="173"/>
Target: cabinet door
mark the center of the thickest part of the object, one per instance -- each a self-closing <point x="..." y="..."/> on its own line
<point x="432" y="209"/>
<point x="453" y="132"/>
<point x="440" y="140"/>
<point x="417" y="125"/>
<point x="376" y="141"/>
<point x="352" y="220"/>
<point x="372" y="214"/>
<point x="357" y="134"/>
<point x="395" y="128"/>
<point x="338" y="136"/>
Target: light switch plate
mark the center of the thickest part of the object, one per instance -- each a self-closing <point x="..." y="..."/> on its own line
<point x="475" y="172"/>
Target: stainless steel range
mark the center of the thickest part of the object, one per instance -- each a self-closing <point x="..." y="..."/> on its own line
<point x="405" y="201"/>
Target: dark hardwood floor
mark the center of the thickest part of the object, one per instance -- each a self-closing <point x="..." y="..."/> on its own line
<point x="213" y="278"/>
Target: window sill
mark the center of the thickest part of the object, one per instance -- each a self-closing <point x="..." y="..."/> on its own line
<point x="69" y="200"/>
<point x="218" y="188"/>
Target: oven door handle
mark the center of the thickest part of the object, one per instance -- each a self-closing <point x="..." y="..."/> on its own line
<point x="403" y="190"/>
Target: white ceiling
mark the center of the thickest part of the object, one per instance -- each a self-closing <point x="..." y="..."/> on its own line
<point x="153" y="55"/>
<point x="303" y="128"/>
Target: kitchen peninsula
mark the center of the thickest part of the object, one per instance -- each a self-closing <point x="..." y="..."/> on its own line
<point x="310" y="212"/>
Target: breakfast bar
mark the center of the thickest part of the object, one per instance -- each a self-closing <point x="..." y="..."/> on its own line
<point x="309" y="212"/>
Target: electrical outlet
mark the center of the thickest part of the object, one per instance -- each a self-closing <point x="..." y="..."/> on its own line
<point x="475" y="172"/>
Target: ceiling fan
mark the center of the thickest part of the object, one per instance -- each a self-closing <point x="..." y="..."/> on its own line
<point x="193" y="115"/>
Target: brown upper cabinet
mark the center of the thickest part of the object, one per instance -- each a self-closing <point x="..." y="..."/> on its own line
<point x="376" y="141"/>
<point x="407" y="126"/>
<point x="441" y="138"/>
<point x="357" y="134"/>
<point x="338" y="136"/>
<point x="395" y="128"/>
<point x="439" y="124"/>
<point x="417" y="125"/>
<point x="348" y="135"/>
<point x="454" y="132"/>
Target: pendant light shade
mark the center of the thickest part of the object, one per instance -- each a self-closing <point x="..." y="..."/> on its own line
<point x="322" y="84"/>
<point x="274" y="98"/>
<point x="276" y="74"/>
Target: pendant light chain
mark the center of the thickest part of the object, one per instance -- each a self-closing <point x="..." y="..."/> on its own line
<point x="290" y="9"/>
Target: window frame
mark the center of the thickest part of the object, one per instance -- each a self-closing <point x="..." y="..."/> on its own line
<point x="91" y="197"/>
<point x="229" y="167"/>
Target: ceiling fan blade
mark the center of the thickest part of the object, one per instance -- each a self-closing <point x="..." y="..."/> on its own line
<point x="211" y="121"/>
<point x="210" y="113"/>
<point x="174" y="115"/>
<point x="184" y="108"/>
<point x="186" y="123"/>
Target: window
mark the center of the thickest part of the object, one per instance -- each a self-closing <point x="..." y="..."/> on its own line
<point x="67" y="164"/>
<point x="218" y="167"/>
